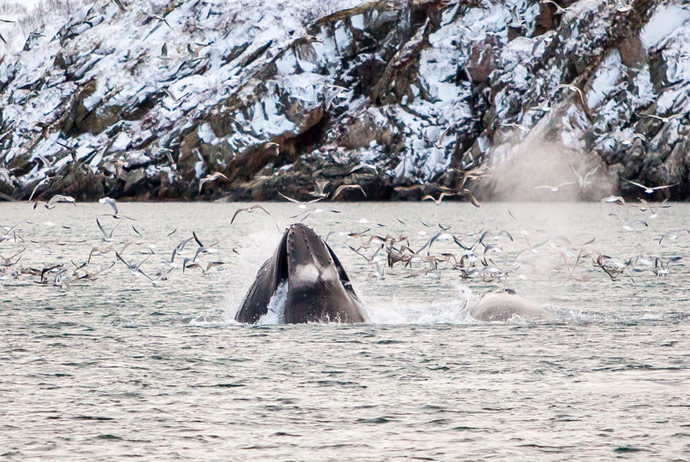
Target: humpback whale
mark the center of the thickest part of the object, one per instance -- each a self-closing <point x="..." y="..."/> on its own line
<point x="318" y="288"/>
<point x="501" y="306"/>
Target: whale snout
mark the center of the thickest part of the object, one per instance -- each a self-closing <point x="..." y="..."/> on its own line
<point x="307" y="255"/>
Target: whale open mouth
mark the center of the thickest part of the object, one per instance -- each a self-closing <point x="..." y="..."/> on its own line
<point x="317" y="285"/>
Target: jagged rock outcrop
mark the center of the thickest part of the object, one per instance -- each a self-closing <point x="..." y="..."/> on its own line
<point x="400" y="97"/>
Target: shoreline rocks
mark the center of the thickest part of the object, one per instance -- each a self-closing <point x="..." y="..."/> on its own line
<point x="403" y="98"/>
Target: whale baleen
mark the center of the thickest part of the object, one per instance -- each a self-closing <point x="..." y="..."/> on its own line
<point x="318" y="288"/>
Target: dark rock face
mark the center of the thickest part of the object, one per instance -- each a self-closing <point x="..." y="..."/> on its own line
<point x="400" y="97"/>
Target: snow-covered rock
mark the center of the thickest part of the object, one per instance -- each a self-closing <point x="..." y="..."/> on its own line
<point x="400" y="97"/>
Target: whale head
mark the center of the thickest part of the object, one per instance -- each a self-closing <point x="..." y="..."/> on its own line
<point x="318" y="288"/>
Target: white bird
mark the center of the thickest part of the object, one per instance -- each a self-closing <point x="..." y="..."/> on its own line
<point x="107" y="237"/>
<point x="633" y="137"/>
<point x="212" y="177"/>
<point x="135" y="269"/>
<point x="651" y="190"/>
<point x="343" y="187"/>
<point x="302" y="205"/>
<point x="613" y="200"/>
<point x="573" y="88"/>
<point x="555" y="188"/>
<point x="559" y="8"/>
<point x="440" y="197"/>
<point x="623" y="7"/>
<point x="628" y="226"/>
<point x="249" y="210"/>
<point x="56" y="199"/>
<point x="662" y="118"/>
<point x="111" y="202"/>
<point x="653" y="213"/>
<point x="582" y="181"/>
<point x="319" y="188"/>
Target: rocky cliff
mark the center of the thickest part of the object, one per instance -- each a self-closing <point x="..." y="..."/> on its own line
<point x="147" y="99"/>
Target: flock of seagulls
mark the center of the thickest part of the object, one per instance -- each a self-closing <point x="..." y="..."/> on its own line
<point x="493" y="256"/>
<point x="115" y="240"/>
<point x="489" y="255"/>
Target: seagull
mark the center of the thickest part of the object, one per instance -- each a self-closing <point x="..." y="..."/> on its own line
<point x="543" y="107"/>
<point x="518" y="126"/>
<point x="462" y="191"/>
<point x="196" y="238"/>
<point x="343" y="187"/>
<point x="559" y="8"/>
<point x="627" y="226"/>
<point x="440" y="197"/>
<point x="623" y="7"/>
<point x="249" y="210"/>
<point x="319" y="188"/>
<point x="135" y="269"/>
<point x="649" y="190"/>
<point x="671" y="235"/>
<point x="555" y="188"/>
<point x="611" y="267"/>
<point x="664" y="119"/>
<point x="439" y="144"/>
<point x="653" y="213"/>
<point x="7" y="261"/>
<point x="302" y="205"/>
<point x="573" y="88"/>
<point x="161" y="18"/>
<point x="210" y="265"/>
<point x="56" y="199"/>
<point x="113" y="204"/>
<point x="582" y="181"/>
<point x="212" y="177"/>
<point x="107" y="237"/>
<point x="613" y="200"/>
<point x="629" y="141"/>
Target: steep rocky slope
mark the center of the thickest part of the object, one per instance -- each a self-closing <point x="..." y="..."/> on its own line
<point x="146" y="99"/>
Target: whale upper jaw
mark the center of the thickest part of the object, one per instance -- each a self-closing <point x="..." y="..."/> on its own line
<point x="309" y="261"/>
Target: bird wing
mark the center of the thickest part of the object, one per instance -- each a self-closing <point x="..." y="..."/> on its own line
<point x="637" y="184"/>
<point x="258" y="207"/>
<point x="237" y="212"/>
<point x="664" y="187"/>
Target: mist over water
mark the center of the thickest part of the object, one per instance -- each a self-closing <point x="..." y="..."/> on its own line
<point x="540" y="170"/>
<point x="118" y="368"/>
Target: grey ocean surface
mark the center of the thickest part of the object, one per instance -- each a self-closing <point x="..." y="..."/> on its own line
<point x="118" y="368"/>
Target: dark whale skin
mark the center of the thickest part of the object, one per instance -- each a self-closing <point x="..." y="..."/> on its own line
<point x="318" y="286"/>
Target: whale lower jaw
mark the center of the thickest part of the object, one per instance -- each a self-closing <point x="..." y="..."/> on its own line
<point x="322" y="302"/>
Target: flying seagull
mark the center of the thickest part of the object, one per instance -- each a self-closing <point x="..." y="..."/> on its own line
<point x="650" y="190"/>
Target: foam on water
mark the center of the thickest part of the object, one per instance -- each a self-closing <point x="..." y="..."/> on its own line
<point x="276" y="307"/>
<point x="399" y="311"/>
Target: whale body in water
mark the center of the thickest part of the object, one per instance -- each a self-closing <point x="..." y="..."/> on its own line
<point x="318" y="288"/>
<point x="501" y="306"/>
